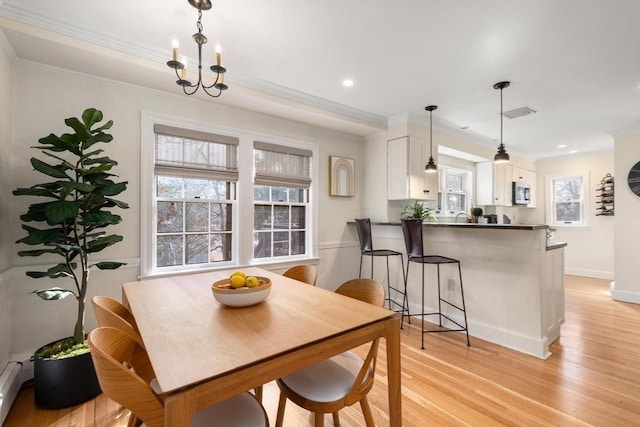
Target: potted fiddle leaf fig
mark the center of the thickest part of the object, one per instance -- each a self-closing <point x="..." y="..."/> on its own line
<point x="68" y="223"/>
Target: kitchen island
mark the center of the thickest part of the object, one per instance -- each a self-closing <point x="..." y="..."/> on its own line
<point x="513" y="279"/>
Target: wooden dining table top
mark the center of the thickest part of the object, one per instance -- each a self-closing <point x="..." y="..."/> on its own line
<point x="191" y="337"/>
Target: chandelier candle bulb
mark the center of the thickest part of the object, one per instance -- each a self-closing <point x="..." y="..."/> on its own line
<point x="175" y="44"/>
<point x="183" y="74"/>
<point x="218" y="54"/>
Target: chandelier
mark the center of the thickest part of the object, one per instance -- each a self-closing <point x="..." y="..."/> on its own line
<point x="501" y="156"/>
<point x="180" y="66"/>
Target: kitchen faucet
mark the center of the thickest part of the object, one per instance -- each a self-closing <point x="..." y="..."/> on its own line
<point x="465" y="214"/>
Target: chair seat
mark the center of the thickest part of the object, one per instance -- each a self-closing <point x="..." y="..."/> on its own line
<point x="327" y="381"/>
<point x="433" y="259"/>
<point x="381" y="252"/>
<point x="243" y="410"/>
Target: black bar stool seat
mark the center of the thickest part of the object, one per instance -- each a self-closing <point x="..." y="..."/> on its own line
<point x="363" y="226"/>
<point x="412" y="231"/>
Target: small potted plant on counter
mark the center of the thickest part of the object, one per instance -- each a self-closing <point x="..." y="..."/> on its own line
<point x="475" y="214"/>
<point x="418" y="211"/>
<point x="74" y="210"/>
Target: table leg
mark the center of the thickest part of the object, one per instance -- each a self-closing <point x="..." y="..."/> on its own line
<point x="392" y="337"/>
<point x="178" y="409"/>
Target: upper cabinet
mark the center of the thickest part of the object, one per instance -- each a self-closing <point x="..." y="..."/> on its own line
<point x="493" y="184"/>
<point x="406" y="178"/>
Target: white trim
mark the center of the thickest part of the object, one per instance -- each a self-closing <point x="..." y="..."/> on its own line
<point x="549" y="193"/>
<point x="624" y="296"/>
<point x="583" y="272"/>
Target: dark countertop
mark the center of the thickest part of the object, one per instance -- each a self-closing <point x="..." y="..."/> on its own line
<point x="555" y="245"/>
<point x="471" y="225"/>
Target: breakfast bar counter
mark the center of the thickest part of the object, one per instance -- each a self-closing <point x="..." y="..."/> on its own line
<point x="513" y="279"/>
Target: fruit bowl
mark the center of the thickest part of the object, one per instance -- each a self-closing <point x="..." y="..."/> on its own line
<point x="241" y="297"/>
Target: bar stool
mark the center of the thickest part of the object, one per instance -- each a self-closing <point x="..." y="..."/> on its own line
<point x="366" y="249"/>
<point x="412" y="231"/>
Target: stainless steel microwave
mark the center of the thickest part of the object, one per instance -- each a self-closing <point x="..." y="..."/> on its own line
<point x="521" y="193"/>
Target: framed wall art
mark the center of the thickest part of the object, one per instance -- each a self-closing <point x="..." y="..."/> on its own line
<point x="341" y="176"/>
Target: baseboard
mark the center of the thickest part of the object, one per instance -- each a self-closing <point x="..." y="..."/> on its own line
<point x="17" y="371"/>
<point x="595" y="274"/>
<point x="623" y="296"/>
<point x="9" y="388"/>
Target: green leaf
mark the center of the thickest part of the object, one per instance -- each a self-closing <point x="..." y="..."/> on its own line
<point x="91" y="116"/>
<point x="57" y="144"/>
<point x="109" y="265"/>
<point x="54" y="171"/>
<point x="103" y="242"/>
<point x="101" y="160"/>
<point x="101" y="217"/>
<point x="105" y="126"/>
<point x="37" y="252"/>
<point x="113" y="189"/>
<point x="81" y="130"/>
<point x="60" y="211"/>
<point x="100" y="137"/>
<point x="118" y="203"/>
<point x="53" y="294"/>
<point x="80" y="186"/>
<point x="33" y="191"/>
<point x="36" y="236"/>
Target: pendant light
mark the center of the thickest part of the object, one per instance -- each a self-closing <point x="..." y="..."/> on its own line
<point x="501" y="156"/>
<point x="431" y="165"/>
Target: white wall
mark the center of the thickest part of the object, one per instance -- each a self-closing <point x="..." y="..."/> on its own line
<point x="627" y="224"/>
<point x="45" y="96"/>
<point x="6" y="98"/>
<point x="590" y="249"/>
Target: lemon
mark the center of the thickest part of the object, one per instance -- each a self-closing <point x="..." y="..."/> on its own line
<point x="239" y="273"/>
<point x="251" y="282"/>
<point x="237" y="281"/>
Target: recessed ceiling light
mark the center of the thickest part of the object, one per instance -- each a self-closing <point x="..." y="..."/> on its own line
<point x="347" y="83"/>
<point x="573" y="151"/>
<point x="562" y="146"/>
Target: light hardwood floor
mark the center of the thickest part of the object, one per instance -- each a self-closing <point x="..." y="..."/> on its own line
<point x="592" y="378"/>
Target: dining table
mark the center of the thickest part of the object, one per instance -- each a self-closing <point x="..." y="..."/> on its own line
<point x="203" y="352"/>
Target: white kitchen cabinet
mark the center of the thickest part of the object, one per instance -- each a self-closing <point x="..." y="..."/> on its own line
<point x="493" y="184"/>
<point x="406" y="178"/>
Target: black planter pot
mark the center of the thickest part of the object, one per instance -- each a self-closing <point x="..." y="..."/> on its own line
<point x="65" y="382"/>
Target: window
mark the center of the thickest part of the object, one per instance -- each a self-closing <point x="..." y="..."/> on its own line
<point x="194" y="180"/>
<point x="567" y="193"/>
<point x="281" y="199"/>
<point x="454" y="194"/>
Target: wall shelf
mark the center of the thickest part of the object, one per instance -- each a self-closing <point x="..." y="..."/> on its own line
<point x="605" y="196"/>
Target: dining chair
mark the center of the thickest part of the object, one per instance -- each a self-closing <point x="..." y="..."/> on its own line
<point x="363" y="226"/>
<point x="110" y="312"/>
<point x="340" y="381"/>
<point x="303" y="273"/>
<point x="413" y="239"/>
<point x="126" y="376"/>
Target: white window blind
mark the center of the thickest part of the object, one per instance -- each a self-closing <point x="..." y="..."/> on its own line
<point x="185" y="152"/>
<point x="281" y="166"/>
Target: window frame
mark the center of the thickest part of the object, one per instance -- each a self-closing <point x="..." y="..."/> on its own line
<point x="550" y="196"/>
<point x="242" y="236"/>
<point x="468" y="179"/>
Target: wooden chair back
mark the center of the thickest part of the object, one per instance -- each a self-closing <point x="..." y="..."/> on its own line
<point x="124" y="373"/>
<point x="110" y="312"/>
<point x="366" y="290"/>
<point x="303" y="273"/>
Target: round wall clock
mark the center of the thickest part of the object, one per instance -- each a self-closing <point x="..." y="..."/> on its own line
<point x="633" y="179"/>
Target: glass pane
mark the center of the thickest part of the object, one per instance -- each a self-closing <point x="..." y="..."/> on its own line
<point x="297" y="195"/>
<point x="281" y="243"/>
<point x="262" y="245"/>
<point x="281" y="217"/>
<point x="456" y="203"/>
<point x="454" y="182"/>
<point x="262" y="217"/>
<point x="261" y="193"/>
<point x="169" y="217"/>
<point x="568" y="188"/>
<point x="197" y="248"/>
<point x="221" y="216"/>
<point x="196" y="188"/>
<point x="220" y="190"/>
<point x="169" y="251"/>
<point x="168" y="186"/>
<point x="197" y="216"/>
<point x="220" y="247"/>
<point x="568" y="211"/>
<point x="297" y="242"/>
<point x="298" y="217"/>
<point x="279" y="194"/>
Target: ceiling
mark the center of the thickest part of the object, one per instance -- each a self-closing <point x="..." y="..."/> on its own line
<point x="575" y="62"/>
